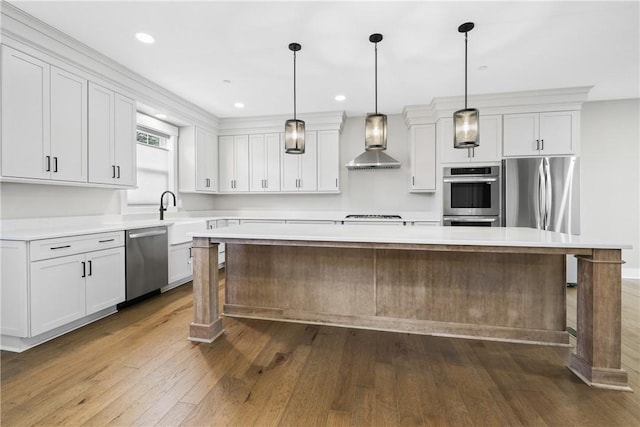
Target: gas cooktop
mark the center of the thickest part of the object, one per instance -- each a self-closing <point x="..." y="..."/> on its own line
<point x="369" y="216"/>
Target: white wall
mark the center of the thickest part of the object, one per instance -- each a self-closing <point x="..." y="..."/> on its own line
<point x="382" y="190"/>
<point x="610" y="181"/>
<point x="38" y="201"/>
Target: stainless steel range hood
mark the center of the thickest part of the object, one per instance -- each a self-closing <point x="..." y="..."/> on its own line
<point x="373" y="159"/>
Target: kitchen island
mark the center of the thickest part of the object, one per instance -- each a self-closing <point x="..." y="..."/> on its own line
<point x="504" y="284"/>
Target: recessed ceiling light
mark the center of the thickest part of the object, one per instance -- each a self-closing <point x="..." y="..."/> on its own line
<point x="145" y="38"/>
<point x="238" y="105"/>
<point x="160" y="116"/>
<point x="340" y="98"/>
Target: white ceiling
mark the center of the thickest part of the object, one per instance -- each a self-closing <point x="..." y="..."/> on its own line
<point x="200" y="44"/>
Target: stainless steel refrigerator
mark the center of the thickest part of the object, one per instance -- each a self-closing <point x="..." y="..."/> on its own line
<point x="543" y="193"/>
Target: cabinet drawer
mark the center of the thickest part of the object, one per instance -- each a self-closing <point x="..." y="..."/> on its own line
<point x="62" y="246"/>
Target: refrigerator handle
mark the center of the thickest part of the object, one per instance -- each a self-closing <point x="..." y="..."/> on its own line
<point x="539" y="208"/>
<point x="548" y="195"/>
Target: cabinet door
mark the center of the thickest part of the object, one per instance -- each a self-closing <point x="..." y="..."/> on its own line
<point x="206" y="161"/>
<point x="125" y="140"/>
<point x="68" y="126"/>
<point x="101" y="160"/>
<point x="558" y="132"/>
<point x="309" y="164"/>
<point x="272" y="164"/>
<point x="14" y="288"/>
<point x="225" y="163"/>
<point x="423" y="157"/>
<point x="490" y="140"/>
<point x="520" y="135"/>
<point x="241" y="162"/>
<point x="180" y="262"/>
<point x="25" y="116"/>
<point x="105" y="279"/>
<point x="329" y="161"/>
<point x="57" y="292"/>
<point x="290" y="174"/>
<point x="257" y="163"/>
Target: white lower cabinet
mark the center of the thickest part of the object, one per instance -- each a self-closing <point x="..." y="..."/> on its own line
<point x="69" y="288"/>
<point x="57" y="292"/>
<point x="53" y="286"/>
<point x="180" y="263"/>
<point x="105" y="284"/>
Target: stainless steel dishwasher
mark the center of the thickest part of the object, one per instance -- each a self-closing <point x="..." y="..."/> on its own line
<point x="146" y="261"/>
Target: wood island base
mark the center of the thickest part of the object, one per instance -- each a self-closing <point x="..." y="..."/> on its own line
<point x="499" y="293"/>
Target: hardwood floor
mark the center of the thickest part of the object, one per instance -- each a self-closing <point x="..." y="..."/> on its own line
<point x="138" y="368"/>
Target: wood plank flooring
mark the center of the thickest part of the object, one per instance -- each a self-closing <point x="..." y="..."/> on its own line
<point x="138" y="368"/>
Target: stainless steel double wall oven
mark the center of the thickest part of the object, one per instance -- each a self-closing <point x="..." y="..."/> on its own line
<point x="471" y="196"/>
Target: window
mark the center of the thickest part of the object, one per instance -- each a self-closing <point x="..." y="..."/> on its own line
<point x="156" y="165"/>
<point x="144" y="137"/>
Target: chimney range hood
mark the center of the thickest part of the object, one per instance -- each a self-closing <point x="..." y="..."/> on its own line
<point x="373" y="159"/>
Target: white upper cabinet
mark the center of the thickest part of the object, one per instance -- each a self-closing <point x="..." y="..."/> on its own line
<point x="329" y="161"/>
<point x="206" y="161"/>
<point x="422" y="158"/>
<point x="541" y="134"/>
<point x="299" y="171"/>
<point x="487" y="151"/>
<point x="264" y="162"/>
<point x="233" y="163"/>
<point x="112" y="127"/>
<point x="68" y="126"/>
<point x="197" y="160"/>
<point x="44" y="120"/>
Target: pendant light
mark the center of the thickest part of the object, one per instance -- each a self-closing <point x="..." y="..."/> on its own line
<point x="294" y="128"/>
<point x="466" y="123"/>
<point x="375" y="131"/>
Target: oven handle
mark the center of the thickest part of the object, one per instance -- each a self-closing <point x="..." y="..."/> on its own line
<point x="468" y="219"/>
<point x="470" y="179"/>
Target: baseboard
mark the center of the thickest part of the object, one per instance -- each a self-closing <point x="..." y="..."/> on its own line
<point x="630" y="273"/>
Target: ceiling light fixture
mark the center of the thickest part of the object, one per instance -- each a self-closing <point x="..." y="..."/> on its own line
<point x="160" y="116"/>
<point x="294" y="128"/>
<point x="145" y="38"/>
<point x="375" y="130"/>
<point x="238" y="105"/>
<point x="466" y="122"/>
<point x="340" y="98"/>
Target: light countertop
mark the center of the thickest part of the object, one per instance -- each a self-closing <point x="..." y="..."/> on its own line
<point x="48" y="228"/>
<point x="435" y="235"/>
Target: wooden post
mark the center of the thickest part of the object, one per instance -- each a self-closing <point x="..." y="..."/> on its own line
<point x="207" y="324"/>
<point x="597" y="359"/>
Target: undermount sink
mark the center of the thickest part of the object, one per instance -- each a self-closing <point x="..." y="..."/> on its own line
<point x="179" y="229"/>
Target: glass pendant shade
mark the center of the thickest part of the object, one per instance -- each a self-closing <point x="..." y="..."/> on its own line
<point x="294" y="128"/>
<point x="466" y="124"/>
<point x="294" y="136"/>
<point x="375" y="132"/>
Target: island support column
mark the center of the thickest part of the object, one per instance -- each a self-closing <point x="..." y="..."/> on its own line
<point x="597" y="359"/>
<point x="207" y="324"/>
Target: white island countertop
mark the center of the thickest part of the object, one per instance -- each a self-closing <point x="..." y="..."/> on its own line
<point x="435" y="235"/>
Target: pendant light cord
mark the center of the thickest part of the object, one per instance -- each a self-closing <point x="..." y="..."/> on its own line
<point x="465" y="70"/>
<point x="294" y="85"/>
<point x="376" y="76"/>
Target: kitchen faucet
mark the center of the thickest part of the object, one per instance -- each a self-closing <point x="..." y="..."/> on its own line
<point x="162" y="208"/>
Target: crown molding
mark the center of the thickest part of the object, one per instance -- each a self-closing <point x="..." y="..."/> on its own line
<point x="332" y="120"/>
<point x="560" y="99"/>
